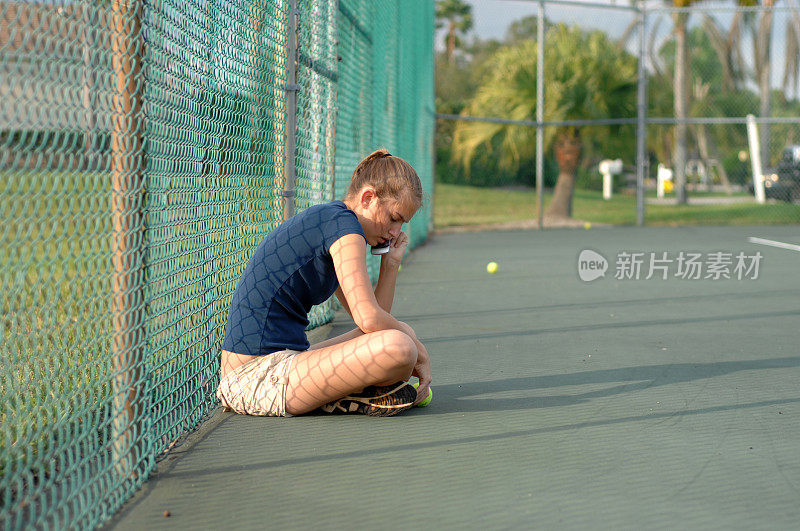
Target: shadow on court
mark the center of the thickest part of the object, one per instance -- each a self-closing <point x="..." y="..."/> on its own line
<point x="476" y="397"/>
<point x="487" y="396"/>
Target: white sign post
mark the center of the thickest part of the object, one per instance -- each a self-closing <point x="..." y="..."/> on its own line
<point x="755" y="157"/>
<point x="664" y="175"/>
<point x="609" y="168"/>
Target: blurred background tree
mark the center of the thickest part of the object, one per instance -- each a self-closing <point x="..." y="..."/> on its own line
<point x="458" y="17"/>
<point x="587" y="76"/>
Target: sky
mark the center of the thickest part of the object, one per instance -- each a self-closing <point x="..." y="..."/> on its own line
<point x="491" y="19"/>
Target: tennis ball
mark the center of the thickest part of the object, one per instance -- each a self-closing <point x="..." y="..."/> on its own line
<point x="491" y="267"/>
<point x="428" y="398"/>
<point x="587" y="225"/>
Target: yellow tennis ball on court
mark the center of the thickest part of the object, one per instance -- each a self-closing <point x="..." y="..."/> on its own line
<point x="587" y="225"/>
<point x="491" y="267"/>
<point x="427" y="398"/>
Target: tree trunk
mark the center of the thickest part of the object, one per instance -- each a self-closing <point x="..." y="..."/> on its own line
<point x="681" y="105"/>
<point x="451" y="41"/>
<point x="764" y="89"/>
<point x="703" y="146"/>
<point x="568" y="154"/>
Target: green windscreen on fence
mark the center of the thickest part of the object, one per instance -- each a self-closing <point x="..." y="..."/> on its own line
<point x="142" y="160"/>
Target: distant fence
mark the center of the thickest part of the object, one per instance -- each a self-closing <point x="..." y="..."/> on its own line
<point x="739" y="61"/>
<point x="146" y="148"/>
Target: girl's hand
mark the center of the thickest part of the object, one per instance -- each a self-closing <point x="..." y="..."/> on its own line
<point x="397" y="248"/>
<point x="422" y="370"/>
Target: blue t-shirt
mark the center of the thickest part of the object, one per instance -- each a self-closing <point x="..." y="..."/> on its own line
<point x="290" y="271"/>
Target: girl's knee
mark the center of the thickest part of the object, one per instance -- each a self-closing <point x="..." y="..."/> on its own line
<point x="400" y="346"/>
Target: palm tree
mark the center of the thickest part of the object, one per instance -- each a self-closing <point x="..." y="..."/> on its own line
<point x="763" y="70"/>
<point x="586" y="76"/>
<point x="712" y="81"/>
<point x="681" y="97"/>
<point x="713" y="77"/>
<point x="760" y="30"/>
<point x="680" y="81"/>
<point x="458" y="17"/>
<point x="759" y="27"/>
<point x="717" y="90"/>
<point x="791" y="72"/>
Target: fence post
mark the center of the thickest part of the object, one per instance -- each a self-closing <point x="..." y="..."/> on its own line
<point x="755" y="159"/>
<point x="291" y="112"/>
<point x="540" y="113"/>
<point x="641" y="125"/>
<point x="127" y="242"/>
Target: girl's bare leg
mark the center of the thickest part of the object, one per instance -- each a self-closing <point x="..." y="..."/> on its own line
<point x="230" y="361"/>
<point x="330" y="372"/>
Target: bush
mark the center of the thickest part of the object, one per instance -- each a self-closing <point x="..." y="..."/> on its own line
<point x="485" y="172"/>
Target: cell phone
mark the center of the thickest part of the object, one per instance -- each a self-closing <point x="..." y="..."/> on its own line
<point x="380" y="249"/>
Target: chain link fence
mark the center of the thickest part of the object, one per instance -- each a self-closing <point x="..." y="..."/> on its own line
<point x="143" y="157"/>
<point x="665" y="91"/>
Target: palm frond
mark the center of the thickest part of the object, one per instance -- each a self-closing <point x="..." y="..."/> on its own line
<point x="622" y="42"/>
<point x="790" y="59"/>
<point x="588" y="76"/>
<point x="720" y="44"/>
<point x="734" y="44"/>
<point x="654" y="50"/>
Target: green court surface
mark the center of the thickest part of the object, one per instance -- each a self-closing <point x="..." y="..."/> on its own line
<point x="616" y="403"/>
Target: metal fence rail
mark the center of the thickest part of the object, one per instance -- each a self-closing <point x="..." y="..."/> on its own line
<point x="146" y="148"/>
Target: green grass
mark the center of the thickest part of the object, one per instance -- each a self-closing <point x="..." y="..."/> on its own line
<point x="56" y="271"/>
<point x="651" y="194"/>
<point x="56" y="333"/>
<point x="455" y="205"/>
<point x="458" y="205"/>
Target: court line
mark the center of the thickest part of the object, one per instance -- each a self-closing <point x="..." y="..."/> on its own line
<point x="773" y="243"/>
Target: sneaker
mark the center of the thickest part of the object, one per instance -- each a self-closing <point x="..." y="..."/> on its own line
<point x="375" y="401"/>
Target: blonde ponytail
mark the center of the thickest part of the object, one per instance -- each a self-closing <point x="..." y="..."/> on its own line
<point x="390" y="176"/>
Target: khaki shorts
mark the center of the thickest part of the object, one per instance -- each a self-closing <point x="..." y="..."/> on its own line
<point x="259" y="386"/>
